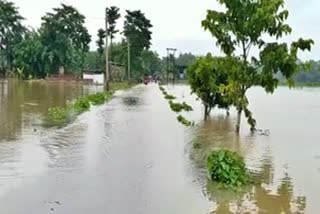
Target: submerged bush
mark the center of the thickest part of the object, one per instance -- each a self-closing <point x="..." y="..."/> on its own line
<point x="184" y="121"/>
<point x="57" y="114"/>
<point x="228" y="168"/>
<point x="186" y="107"/>
<point x="162" y="88"/>
<point x="178" y="107"/>
<point x="169" y="97"/>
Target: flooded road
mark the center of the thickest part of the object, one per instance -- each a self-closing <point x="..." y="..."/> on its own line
<point x="132" y="156"/>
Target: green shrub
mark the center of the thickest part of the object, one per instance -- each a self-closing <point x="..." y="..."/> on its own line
<point x="227" y="168"/>
<point x="162" y="88"/>
<point x="97" y="99"/>
<point x="169" y="97"/>
<point x="57" y="114"/>
<point x="186" y="107"/>
<point x="81" y="105"/>
<point x="178" y="107"/>
<point x="184" y="121"/>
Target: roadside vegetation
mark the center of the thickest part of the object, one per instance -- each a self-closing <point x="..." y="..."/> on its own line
<point x="177" y="107"/>
<point x="63" y="115"/>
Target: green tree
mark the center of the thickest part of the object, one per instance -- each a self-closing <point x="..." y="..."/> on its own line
<point x="205" y="76"/>
<point x="100" y="42"/>
<point x="101" y="48"/>
<point x="11" y="32"/>
<point x="241" y="27"/>
<point x="65" y="37"/>
<point x="113" y="16"/>
<point x="30" y="56"/>
<point x="92" y="60"/>
<point x="151" y="62"/>
<point x="185" y="59"/>
<point x="137" y="31"/>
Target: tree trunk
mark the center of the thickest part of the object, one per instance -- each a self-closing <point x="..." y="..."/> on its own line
<point x="206" y="112"/>
<point x="238" y="121"/>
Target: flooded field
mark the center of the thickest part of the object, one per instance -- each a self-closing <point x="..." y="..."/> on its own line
<point x="132" y="156"/>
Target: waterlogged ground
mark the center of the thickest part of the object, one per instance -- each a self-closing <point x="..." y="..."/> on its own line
<point x="132" y="156"/>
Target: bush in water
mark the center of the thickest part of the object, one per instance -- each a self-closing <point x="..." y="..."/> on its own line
<point x="57" y="114"/>
<point x="184" y="121"/>
<point x="169" y="97"/>
<point x="178" y="107"/>
<point x="186" y="107"/>
<point x="162" y="88"/>
<point x="228" y="168"/>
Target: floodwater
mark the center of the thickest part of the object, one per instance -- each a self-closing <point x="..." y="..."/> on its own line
<point x="132" y="156"/>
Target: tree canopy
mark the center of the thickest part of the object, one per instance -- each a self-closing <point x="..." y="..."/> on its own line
<point x="138" y="34"/>
<point x="11" y="32"/>
<point x="205" y="76"/>
<point x="64" y="35"/>
<point x="243" y="26"/>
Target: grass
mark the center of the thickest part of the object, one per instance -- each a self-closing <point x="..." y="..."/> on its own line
<point x="63" y="115"/>
<point x="116" y="86"/>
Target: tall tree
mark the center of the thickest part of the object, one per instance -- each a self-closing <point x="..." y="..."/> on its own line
<point x="100" y="42"/>
<point x="11" y="32"/>
<point x="64" y="36"/>
<point x="113" y="16"/>
<point x="243" y="26"/>
<point x="137" y="31"/>
<point x="101" y="48"/>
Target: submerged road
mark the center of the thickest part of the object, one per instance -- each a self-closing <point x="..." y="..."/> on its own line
<point x="129" y="156"/>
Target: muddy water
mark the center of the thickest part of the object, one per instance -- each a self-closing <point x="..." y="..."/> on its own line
<point x="132" y="156"/>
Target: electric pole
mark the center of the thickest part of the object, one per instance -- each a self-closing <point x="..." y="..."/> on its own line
<point x="171" y="61"/>
<point x="107" y="53"/>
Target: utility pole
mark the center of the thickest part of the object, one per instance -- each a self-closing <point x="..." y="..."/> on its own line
<point x="168" y="66"/>
<point x="107" y="53"/>
<point x="171" y="61"/>
<point x="129" y="60"/>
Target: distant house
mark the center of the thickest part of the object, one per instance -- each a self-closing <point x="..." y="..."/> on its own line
<point x="94" y="76"/>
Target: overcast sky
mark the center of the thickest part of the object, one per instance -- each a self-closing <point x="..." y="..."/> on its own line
<point x="177" y="23"/>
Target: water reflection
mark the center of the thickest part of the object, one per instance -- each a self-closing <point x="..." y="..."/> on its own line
<point x="267" y="195"/>
<point x="22" y="103"/>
